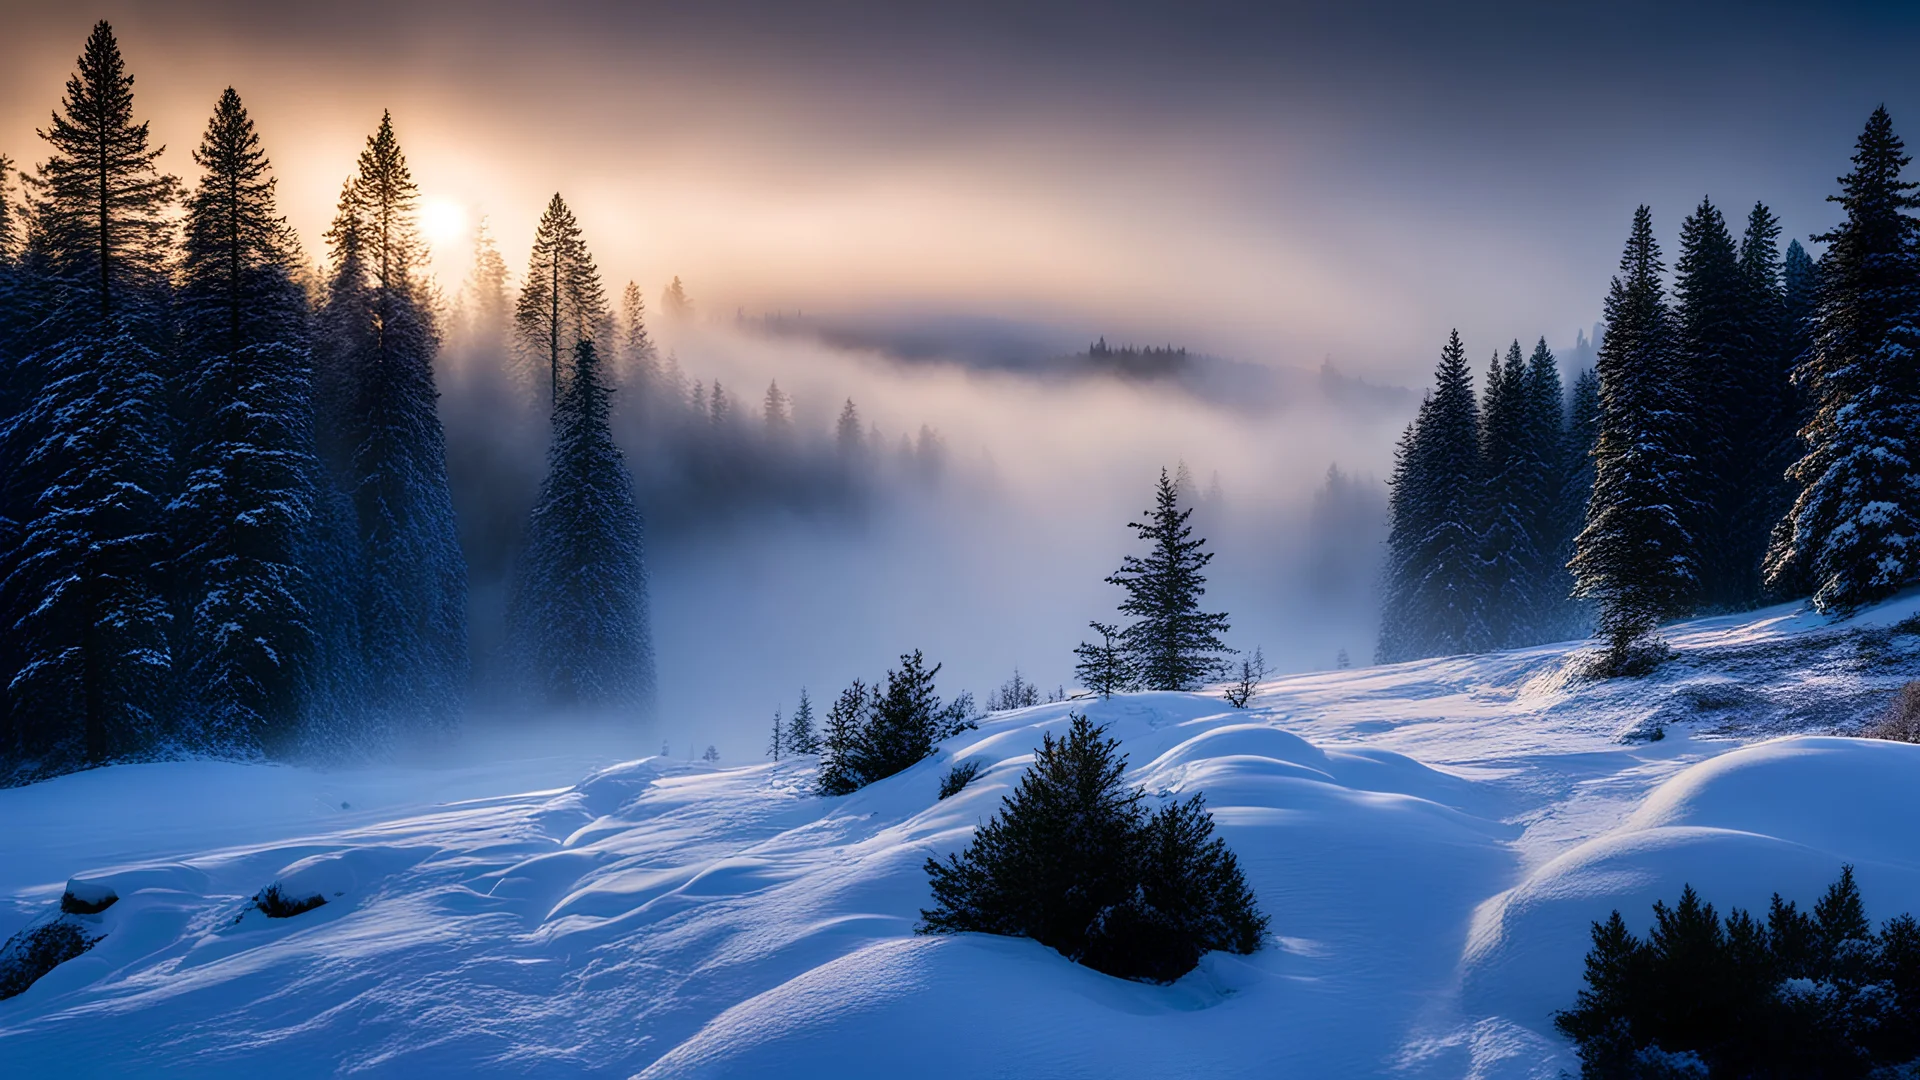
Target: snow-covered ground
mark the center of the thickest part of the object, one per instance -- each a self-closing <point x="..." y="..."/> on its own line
<point x="1431" y="841"/>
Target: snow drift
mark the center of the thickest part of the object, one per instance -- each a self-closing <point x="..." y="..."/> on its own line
<point x="1430" y="840"/>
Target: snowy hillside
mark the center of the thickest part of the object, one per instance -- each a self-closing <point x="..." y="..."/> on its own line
<point x="1430" y="841"/>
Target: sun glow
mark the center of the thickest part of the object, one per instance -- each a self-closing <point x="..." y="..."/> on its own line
<point x="442" y="221"/>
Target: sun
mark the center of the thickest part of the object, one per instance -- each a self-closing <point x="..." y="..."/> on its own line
<point x="442" y="221"/>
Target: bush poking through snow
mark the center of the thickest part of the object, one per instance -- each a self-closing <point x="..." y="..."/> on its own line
<point x="959" y="777"/>
<point x="1076" y="863"/>
<point x="1901" y="721"/>
<point x="1253" y="672"/>
<point x="1800" y="995"/>
<point x="37" y="950"/>
<point x="279" y="905"/>
<point x="872" y="733"/>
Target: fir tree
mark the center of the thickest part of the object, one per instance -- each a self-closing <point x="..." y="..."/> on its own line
<point x="638" y="354"/>
<point x="579" y="614"/>
<point x="1538" y="495"/>
<point x="1854" y="522"/>
<point x="1713" y="352"/>
<point x="1433" y="602"/>
<point x="1636" y="556"/>
<point x="1765" y="435"/>
<point x="801" y="738"/>
<point x="245" y="515"/>
<point x="1575" y="493"/>
<point x="847" y="431"/>
<point x="562" y="303"/>
<point x="779" y="740"/>
<point x="776" y="412"/>
<point x="85" y="602"/>
<point x="906" y="721"/>
<point x="384" y="442"/>
<point x="1103" y="667"/>
<point x="843" y="762"/>
<point x="1171" y="644"/>
<point x="486" y="288"/>
<point x="1074" y="861"/>
<point x="1508" y="568"/>
<point x="674" y="301"/>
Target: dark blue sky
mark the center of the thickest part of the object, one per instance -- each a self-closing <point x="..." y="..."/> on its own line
<point x="1275" y="181"/>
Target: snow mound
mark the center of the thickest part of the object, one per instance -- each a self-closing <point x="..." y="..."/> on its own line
<point x="1431" y="842"/>
<point x="1780" y="816"/>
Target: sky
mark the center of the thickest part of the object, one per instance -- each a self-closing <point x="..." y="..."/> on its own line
<point x="1276" y="182"/>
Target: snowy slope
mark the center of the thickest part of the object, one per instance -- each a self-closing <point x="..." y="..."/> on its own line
<point x="1431" y="841"/>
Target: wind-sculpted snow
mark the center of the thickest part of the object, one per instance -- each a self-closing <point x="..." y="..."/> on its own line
<point x="1430" y="840"/>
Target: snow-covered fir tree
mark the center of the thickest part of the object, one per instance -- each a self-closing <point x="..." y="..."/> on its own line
<point x="1856" y="518"/>
<point x="1636" y="556"/>
<point x="246" y="511"/>
<point x="1712" y="352"/>
<point x="1765" y="435"/>
<point x="1171" y="644"/>
<point x="1508" y="569"/>
<point x="383" y="440"/>
<point x="1432" y="601"/>
<point x="561" y="301"/>
<point x="85" y="601"/>
<point x="579" y="619"/>
<point x="1537" y="493"/>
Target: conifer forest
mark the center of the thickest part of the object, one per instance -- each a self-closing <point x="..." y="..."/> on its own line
<point x="871" y="540"/>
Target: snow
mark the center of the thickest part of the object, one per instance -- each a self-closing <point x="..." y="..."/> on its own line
<point x="1431" y="841"/>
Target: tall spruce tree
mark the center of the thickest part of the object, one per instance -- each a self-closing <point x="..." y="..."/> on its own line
<point x="1537" y="493"/>
<point x="1636" y="556"/>
<point x="1713" y="351"/>
<point x="85" y="601"/>
<point x="561" y="303"/>
<point x="579" y="614"/>
<point x="802" y="738"/>
<point x="1765" y="436"/>
<point x="1433" y="603"/>
<point x="245" y="515"/>
<point x="386" y="445"/>
<point x="1508" y="568"/>
<point x="1854" y="523"/>
<point x="1171" y="643"/>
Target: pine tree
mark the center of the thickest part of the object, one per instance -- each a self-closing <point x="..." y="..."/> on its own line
<point x="1712" y="349"/>
<point x="674" y="301"/>
<point x="385" y="444"/>
<point x="579" y="613"/>
<point x="1509" y="562"/>
<point x="639" y="357"/>
<point x="1538" y="487"/>
<point x="486" y="288"/>
<point x="562" y="303"/>
<point x="779" y="740"/>
<point x="843" y="760"/>
<point x="1765" y="435"/>
<point x="1433" y="603"/>
<point x="246" y="512"/>
<point x="1171" y="644"/>
<point x="1856" y="516"/>
<point x="1074" y="861"/>
<point x="847" y="432"/>
<point x="1636" y="556"/>
<point x="906" y="721"/>
<point x="776" y="412"/>
<point x="85" y="602"/>
<point x="1103" y="667"/>
<point x="801" y="738"/>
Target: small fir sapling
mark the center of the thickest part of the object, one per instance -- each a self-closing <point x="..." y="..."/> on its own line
<point x="1103" y="667"/>
<point x="801" y="736"/>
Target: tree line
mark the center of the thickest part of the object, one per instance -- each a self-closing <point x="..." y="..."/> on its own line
<point x="1744" y="438"/>
<point x="225" y="519"/>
